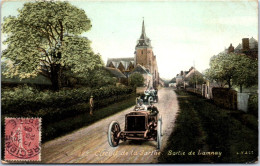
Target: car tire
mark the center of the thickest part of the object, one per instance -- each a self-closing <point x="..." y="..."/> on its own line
<point x="111" y="134"/>
<point x="159" y="138"/>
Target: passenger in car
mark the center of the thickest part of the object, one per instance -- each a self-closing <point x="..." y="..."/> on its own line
<point x="140" y="106"/>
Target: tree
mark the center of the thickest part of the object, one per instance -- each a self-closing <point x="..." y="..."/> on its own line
<point x="233" y="69"/>
<point x="44" y="38"/>
<point x="196" y="79"/>
<point x="221" y="69"/>
<point x="99" y="78"/>
<point x="246" y="72"/>
<point x="136" y="79"/>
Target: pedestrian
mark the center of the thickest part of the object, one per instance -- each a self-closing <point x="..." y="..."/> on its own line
<point x="91" y="105"/>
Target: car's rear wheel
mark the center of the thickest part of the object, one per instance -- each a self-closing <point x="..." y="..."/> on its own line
<point x="161" y="125"/>
<point x="150" y="100"/>
<point x="113" y="130"/>
<point x="159" y="138"/>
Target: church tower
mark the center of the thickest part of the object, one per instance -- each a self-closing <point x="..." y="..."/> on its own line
<point x="144" y="56"/>
<point x="144" y="51"/>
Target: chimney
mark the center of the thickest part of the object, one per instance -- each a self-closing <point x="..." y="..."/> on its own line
<point x="245" y="44"/>
<point x="230" y="48"/>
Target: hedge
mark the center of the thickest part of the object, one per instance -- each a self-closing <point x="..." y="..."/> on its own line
<point x="29" y="99"/>
<point x="253" y="104"/>
<point x="225" y="97"/>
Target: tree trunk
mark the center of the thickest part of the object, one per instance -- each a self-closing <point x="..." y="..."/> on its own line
<point x="229" y="84"/>
<point x="241" y="88"/>
<point x="56" y="76"/>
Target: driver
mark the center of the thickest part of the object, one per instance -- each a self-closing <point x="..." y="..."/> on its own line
<point x="146" y="92"/>
<point x="152" y="91"/>
<point x="140" y="105"/>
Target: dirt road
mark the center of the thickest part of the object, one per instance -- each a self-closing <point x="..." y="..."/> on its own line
<point x="89" y="144"/>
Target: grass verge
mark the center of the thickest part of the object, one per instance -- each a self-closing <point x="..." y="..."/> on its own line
<point x="62" y="127"/>
<point x="67" y="125"/>
<point x="230" y="136"/>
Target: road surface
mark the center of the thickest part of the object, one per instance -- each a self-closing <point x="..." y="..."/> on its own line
<point x="90" y="145"/>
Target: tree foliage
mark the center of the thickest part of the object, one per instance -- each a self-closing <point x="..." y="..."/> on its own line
<point x="44" y="38"/>
<point x="99" y="78"/>
<point x="233" y="69"/>
<point x="196" y="79"/>
<point x="136" y="79"/>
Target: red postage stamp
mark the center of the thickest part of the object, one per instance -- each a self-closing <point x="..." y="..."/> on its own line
<point x="23" y="139"/>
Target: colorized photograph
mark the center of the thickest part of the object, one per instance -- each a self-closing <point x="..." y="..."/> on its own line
<point x="129" y="82"/>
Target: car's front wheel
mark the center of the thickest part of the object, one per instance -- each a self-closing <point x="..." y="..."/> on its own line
<point x="113" y="130"/>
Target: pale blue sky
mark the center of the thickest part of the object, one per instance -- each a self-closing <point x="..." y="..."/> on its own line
<point x="181" y="32"/>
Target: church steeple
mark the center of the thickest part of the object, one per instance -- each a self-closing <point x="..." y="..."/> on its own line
<point x="143" y="35"/>
<point x="144" y="40"/>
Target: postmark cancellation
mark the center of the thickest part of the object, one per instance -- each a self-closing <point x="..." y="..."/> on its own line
<point x="23" y="139"/>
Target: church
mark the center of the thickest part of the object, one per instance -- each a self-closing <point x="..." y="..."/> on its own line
<point x="144" y="61"/>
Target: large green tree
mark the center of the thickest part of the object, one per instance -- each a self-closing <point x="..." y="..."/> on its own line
<point x="44" y="38"/>
<point x="233" y="69"/>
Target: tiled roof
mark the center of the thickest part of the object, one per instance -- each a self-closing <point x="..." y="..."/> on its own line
<point x="140" y="69"/>
<point x="239" y="47"/>
<point x="192" y="72"/>
<point x="115" y="72"/>
<point x="116" y="61"/>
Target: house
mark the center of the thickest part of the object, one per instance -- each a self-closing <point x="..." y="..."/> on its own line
<point x="148" y="78"/>
<point x="193" y="73"/>
<point x="116" y="73"/>
<point x="248" y="47"/>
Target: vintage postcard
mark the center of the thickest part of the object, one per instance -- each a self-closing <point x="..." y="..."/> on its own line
<point x="135" y="82"/>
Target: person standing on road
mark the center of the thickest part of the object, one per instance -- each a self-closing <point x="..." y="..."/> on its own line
<point x="91" y="105"/>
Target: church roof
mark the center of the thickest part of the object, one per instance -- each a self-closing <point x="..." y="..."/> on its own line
<point x="143" y="40"/>
<point x="124" y="61"/>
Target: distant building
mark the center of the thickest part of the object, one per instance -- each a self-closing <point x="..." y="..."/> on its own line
<point x="125" y="65"/>
<point x="248" y="47"/>
<point x="148" y="78"/>
<point x="230" y="48"/>
<point x="144" y="59"/>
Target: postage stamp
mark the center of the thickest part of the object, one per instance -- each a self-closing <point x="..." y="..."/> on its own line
<point x="23" y="139"/>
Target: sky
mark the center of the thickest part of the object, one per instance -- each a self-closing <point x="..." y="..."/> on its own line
<point x="182" y="33"/>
